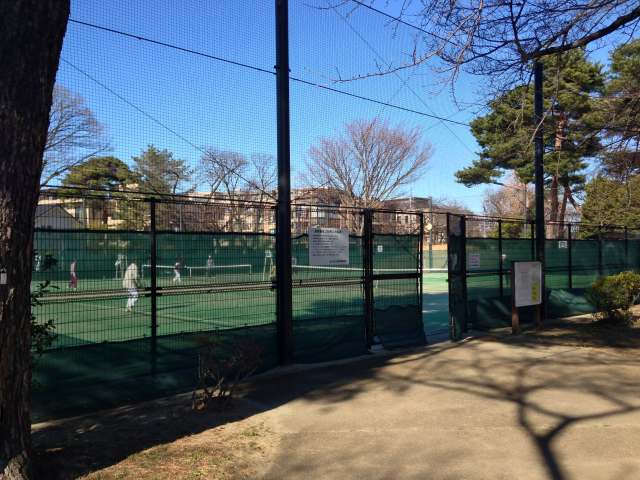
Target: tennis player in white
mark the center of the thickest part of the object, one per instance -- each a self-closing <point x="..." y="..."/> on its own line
<point x="130" y="282"/>
<point x="176" y="272"/>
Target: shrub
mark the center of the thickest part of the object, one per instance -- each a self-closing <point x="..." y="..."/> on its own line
<point x="42" y="333"/>
<point x="221" y="368"/>
<point x="613" y="296"/>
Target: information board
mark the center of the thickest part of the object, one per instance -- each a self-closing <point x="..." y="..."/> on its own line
<point x="527" y="278"/>
<point x="328" y="247"/>
<point x="474" y="261"/>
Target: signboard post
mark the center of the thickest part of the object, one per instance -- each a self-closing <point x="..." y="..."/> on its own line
<point x="526" y="290"/>
<point x="328" y="247"/>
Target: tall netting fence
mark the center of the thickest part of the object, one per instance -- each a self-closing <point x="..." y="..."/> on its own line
<point x="134" y="285"/>
<point x="575" y="256"/>
<point x="329" y="310"/>
<point x="397" y="263"/>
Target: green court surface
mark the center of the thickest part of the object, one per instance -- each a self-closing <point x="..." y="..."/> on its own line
<point x="435" y="303"/>
<point x="96" y="311"/>
<point x="103" y="355"/>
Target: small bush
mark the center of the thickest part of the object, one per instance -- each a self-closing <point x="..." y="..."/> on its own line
<point x="42" y="332"/>
<point x="221" y="368"/>
<point x="613" y="296"/>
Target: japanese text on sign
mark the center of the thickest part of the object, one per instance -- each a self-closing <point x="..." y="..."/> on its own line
<point x="328" y="247"/>
<point x="527" y="283"/>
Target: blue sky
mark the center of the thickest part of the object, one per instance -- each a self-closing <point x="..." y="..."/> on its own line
<point x="190" y="102"/>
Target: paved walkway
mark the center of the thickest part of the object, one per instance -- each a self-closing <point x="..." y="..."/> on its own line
<point x="476" y="410"/>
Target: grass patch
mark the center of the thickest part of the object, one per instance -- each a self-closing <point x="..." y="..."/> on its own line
<point x="155" y="441"/>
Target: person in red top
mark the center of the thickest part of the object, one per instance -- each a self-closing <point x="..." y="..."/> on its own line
<point x="73" y="277"/>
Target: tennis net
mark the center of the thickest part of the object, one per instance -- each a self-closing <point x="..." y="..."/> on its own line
<point x="206" y="271"/>
<point x="316" y="271"/>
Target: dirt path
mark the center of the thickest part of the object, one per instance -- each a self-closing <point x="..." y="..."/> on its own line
<point x="536" y="407"/>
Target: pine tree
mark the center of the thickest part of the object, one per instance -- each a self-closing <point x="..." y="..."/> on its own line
<point x="619" y="114"/>
<point x="101" y="173"/>
<point x="505" y="134"/>
<point x="610" y="202"/>
<point x="160" y="173"/>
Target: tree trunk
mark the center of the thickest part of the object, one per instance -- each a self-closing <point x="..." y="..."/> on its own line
<point x="563" y="208"/>
<point x="553" y="210"/>
<point x="31" y="33"/>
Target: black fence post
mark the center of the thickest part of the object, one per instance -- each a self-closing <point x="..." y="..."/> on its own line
<point x="421" y="262"/>
<point x="368" y="276"/>
<point x="570" y="255"/>
<point x="283" y="229"/>
<point x="600" y="268"/>
<point x="533" y="240"/>
<point x="154" y="286"/>
<point x="626" y="248"/>
<point x="500" y="266"/>
<point x="463" y="231"/>
<point x="430" y="232"/>
<point x="539" y="177"/>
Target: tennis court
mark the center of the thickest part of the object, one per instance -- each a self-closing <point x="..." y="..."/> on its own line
<point x="96" y="311"/>
<point x="214" y="281"/>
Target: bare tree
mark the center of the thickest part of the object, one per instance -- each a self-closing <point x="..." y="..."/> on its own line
<point x="512" y="200"/>
<point x="223" y="171"/>
<point x="31" y="33"/>
<point x="264" y="176"/>
<point x="74" y="134"/>
<point x="264" y="181"/>
<point x="500" y="37"/>
<point x="368" y="163"/>
<point x="239" y="180"/>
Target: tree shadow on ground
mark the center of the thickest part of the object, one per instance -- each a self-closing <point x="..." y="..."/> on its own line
<point x="519" y="370"/>
<point x="597" y="368"/>
<point x="72" y="447"/>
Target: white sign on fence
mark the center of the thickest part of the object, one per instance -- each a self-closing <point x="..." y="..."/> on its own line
<point x="380" y="248"/>
<point x="563" y="244"/>
<point x="474" y="261"/>
<point x="527" y="278"/>
<point x="328" y="247"/>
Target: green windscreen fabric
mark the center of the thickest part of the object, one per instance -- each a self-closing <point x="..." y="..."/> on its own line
<point x="633" y="255"/>
<point x="328" y="305"/>
<point x="571" y="267"/>
<point x="95" y="253"/>
<point x="613" y="256"/>
<point x="457" y="282"/>
<point x="397" y="312"/>
<point x="584" y="254"/>
<point x="482" y="255"/>
<point x="557" y="264"/>
<point x="102" y="352"/>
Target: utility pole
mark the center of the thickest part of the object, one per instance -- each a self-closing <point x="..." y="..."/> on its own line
<point x="539" y="175"/>
<point x="283" y="213"/>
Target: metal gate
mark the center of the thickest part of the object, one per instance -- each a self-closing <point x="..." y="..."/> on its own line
<point x="393" y="277"/>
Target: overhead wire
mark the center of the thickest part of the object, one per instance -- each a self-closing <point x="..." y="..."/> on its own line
<point x="161" y="124"/>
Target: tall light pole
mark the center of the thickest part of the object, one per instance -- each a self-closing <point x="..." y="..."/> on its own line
<point x="539" y="174"/>
<point x="283" y="210"/>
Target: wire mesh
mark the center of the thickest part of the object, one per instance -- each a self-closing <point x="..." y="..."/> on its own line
<point x="575" y="256"/>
